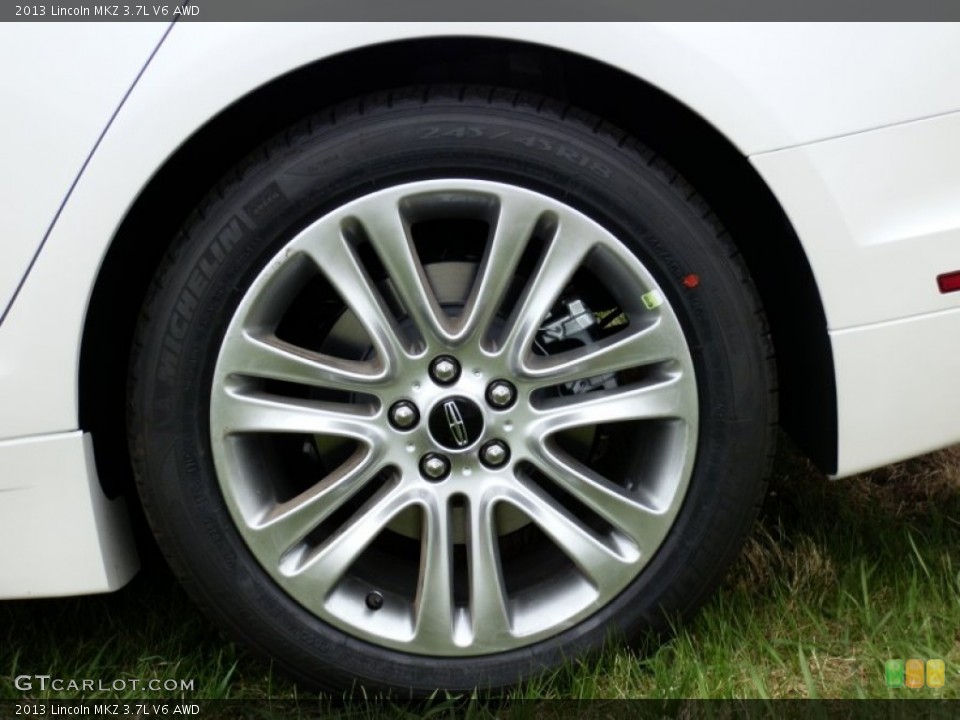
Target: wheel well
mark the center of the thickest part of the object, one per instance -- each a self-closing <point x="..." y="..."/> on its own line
<point x="709" y="161"/>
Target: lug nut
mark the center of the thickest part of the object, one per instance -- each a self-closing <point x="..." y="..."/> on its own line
<point x="501" y="394"/>
<point x="404" y="415"/>
<point x="434" y="466"/>
<point x="494" y="454"/>
<point x="444" y="370"/>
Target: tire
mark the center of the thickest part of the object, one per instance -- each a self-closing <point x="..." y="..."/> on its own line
<point x="445" y="387"/>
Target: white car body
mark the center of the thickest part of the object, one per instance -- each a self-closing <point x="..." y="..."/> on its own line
<point x="855" y="129"/>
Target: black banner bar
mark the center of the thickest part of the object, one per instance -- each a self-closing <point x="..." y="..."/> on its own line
<point x="485" y="10"/>
<point x="478" y="709"/>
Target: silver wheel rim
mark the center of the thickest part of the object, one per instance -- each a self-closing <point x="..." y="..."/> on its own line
<point x="471" y="586"/>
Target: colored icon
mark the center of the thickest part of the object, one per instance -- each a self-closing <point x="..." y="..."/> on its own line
<point x="914" y="673"/>
<point x="893" y="672"/>
<point x="936" y="673"/>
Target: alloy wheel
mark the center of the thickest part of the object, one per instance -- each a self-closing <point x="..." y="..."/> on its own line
<point x="451" y="447"/>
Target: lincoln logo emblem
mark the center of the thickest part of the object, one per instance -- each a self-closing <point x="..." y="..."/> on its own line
<point x="455" y="421"/>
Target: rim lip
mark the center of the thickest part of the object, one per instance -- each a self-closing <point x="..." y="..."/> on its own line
<point x="471" y="385"/>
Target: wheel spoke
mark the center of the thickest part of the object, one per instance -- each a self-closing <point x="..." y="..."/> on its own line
<point x="565" y="253"/>
<point x="272" y="358"/>
<point x="516" y="223"/>
<point x="324" y="566"/>
<point x="642" y="523"/>
<point x="662" y="399"/>
<point x="390" y="236"/>
<point x="595" y="560"/>
<point x="625" y="350"/>
<point x="434" y="602"/>
<point x="287" y="523"/>
<point x="334" y="256"/>
<point x="491" y="622"/>
<point x="240" y="411"/>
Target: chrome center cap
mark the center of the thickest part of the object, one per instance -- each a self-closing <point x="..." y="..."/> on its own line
<point x="456" y="422"/>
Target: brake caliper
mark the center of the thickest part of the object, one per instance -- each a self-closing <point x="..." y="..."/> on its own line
<point x="573" y="324"/>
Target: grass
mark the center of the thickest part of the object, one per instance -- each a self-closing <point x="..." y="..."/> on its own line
<point x="837" y="577"/>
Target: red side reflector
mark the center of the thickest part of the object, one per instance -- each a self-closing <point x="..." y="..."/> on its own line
<point x="949" y="282"/>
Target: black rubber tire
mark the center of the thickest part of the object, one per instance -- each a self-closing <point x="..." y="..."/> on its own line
<point x="375" y="142"/>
